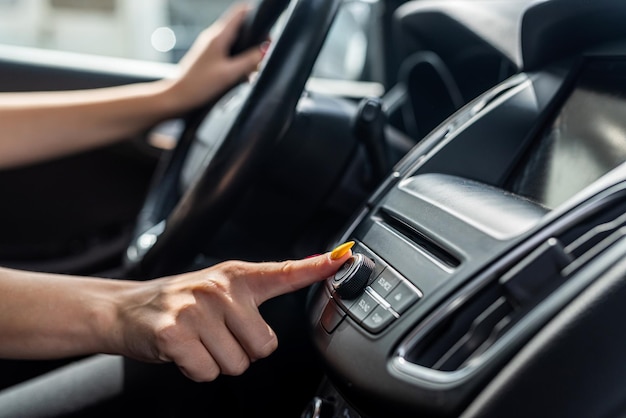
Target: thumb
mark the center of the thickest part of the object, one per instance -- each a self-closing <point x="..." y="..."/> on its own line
<point x="274" y="279"/>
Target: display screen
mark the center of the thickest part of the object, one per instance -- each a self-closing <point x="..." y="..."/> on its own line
<point x="584" y="139"/>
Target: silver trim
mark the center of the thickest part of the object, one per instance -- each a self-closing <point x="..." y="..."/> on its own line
<point x="550" y="306"/>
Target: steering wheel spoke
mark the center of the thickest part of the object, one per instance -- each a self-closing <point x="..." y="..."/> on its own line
<point x="226" y="142"/>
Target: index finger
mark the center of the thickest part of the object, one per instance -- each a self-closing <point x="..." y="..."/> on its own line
<point x="274" y="279"/>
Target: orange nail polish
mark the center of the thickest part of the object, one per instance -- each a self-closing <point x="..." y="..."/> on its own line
<point x="341" y="250"/>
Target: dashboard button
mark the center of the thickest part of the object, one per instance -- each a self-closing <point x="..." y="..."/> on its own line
<point x="402" y="297"/>
<point x="331" y="316"/>
<point x="385" y="282"/>
<point x="378" y="319"/>
<point x="362" y="307"/>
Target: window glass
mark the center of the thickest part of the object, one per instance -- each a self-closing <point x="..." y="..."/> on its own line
<point x="162" y="30"/>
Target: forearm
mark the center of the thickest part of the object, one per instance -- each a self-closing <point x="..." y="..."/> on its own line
<point x="54" y="316"/>
<point x="205" y="321"/>
<point x="38" y="126"/>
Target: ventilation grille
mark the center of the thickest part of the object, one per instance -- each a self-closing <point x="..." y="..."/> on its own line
<point x="401" y="227"/>
<point x="473" y="326"/>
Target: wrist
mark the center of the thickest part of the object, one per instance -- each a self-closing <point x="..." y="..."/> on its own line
<point x="167" y="98"/>
<point x="109" y="328"/>
<point x="178" y="95"/>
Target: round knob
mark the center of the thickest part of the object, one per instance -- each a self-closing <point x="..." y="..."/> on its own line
<point x="352" y="276"/>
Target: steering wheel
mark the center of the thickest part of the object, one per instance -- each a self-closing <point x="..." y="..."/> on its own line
<point x="225" y="142"/>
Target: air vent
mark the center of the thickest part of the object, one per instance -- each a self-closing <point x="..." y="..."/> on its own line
<point x="402" y="227"/>
<point x="473" y="324"/>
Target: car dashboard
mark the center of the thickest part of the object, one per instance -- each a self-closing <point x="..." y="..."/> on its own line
<point x="497" y="248"/>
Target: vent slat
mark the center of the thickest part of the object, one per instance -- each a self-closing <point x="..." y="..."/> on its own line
<point x="411" y="234"/>
<point x="474" y="325"/>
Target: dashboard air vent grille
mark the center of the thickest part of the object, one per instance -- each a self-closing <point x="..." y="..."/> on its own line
<point x="418" y="239"/>
<point x="473" y="323"/>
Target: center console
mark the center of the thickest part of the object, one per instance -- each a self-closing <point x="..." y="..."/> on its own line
<point x="480" y="235"/>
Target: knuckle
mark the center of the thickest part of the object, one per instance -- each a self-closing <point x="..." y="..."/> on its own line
<point x="233" y="268"/>
<point x="287" y="267"/>
<point x="237" y="367"/>
<point x="287" y="270"/>
<point x="165" y="336"/>
<point x="213" y="290"/>
<point x="207" y="373"/>
<point x="264" y="350"/>
<point x="210" y="373"/>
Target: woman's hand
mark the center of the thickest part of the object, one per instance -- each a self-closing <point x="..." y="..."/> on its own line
<point x="74" y="121"/>
<point x="208" y="69"/>
<point x="208" y="321"/>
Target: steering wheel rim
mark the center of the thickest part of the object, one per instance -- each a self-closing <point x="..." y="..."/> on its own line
<point x="171" y="228"/>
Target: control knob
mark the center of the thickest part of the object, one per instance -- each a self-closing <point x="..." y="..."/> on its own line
<point x="352" y="276"/>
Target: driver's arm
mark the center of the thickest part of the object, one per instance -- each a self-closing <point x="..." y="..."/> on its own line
<point x="38" y="126"/>
<point x="207" y="322"/>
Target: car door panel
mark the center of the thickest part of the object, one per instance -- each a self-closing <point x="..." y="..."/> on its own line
<point x="73" y="214"/>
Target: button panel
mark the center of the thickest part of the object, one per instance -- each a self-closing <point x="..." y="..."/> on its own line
<point x="387" y="296"/>
<point x="331" y="316"/>
<point x="378" y="319"/>
<point x="402" y="297"/>
<point x="362" y="307"/>
<point x="385" y="282"/>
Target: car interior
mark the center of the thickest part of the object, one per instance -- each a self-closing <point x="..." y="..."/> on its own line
<point x="484" y="188"/>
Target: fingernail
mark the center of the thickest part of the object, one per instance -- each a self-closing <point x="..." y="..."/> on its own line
<point x="341" y="250"/>
<point x="264" y="47"/>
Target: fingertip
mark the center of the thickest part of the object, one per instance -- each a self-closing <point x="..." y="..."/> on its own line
<point x="338" y="260"/>
<point x="341" y="250"/>
<point x="291" y="275"/>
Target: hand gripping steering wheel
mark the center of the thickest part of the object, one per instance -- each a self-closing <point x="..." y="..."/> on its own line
<point x="225" y="142"/>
